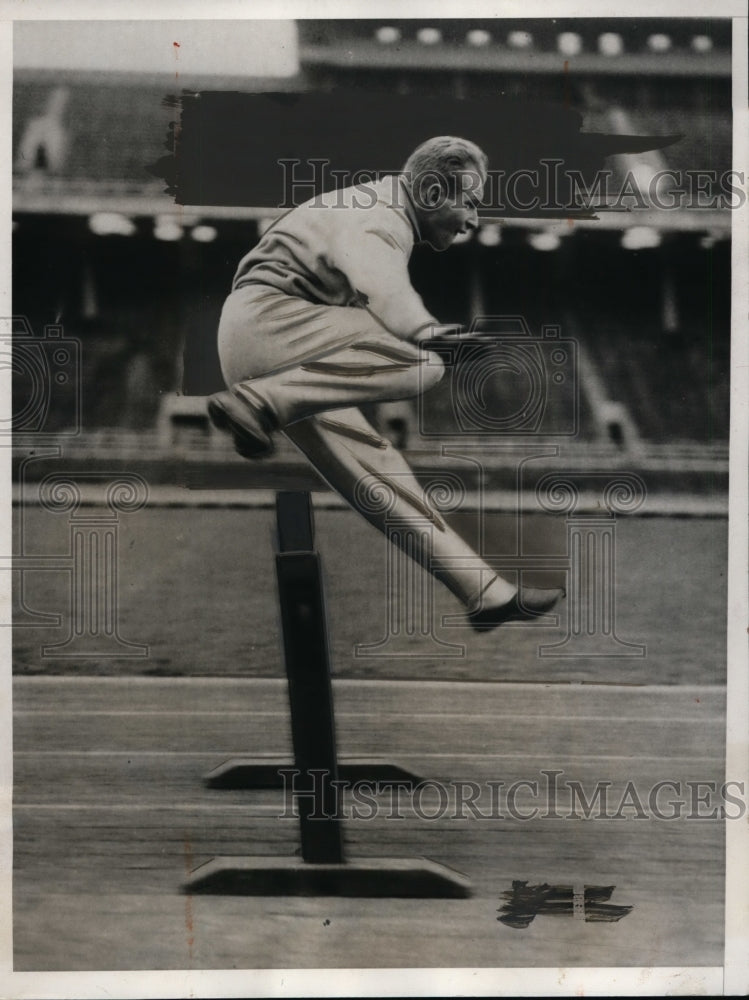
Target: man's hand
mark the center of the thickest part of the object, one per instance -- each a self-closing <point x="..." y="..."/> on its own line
<point x="430" y="337"/>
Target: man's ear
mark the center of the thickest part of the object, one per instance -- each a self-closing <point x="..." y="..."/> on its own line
<point x="433" y="195"/>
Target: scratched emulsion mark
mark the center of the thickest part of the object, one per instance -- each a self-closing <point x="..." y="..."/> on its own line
<point x="189" y="915"/>
<point x="172" y="102"/>
<point x="590" y="903"/>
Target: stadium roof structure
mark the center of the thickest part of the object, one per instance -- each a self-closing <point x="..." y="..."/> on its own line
<point x="656" y="47"/>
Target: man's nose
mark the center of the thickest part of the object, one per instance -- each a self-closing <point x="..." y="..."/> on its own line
<point x="472" y="222"/>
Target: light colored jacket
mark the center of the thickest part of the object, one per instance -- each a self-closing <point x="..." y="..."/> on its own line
<point x="349" y="247"/>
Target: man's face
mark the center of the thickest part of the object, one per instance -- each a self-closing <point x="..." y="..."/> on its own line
<point x="444" y="214"/>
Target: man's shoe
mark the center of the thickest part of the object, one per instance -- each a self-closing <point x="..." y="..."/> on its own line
<point x="244" y="422"/>
<point x="527" y="604"/>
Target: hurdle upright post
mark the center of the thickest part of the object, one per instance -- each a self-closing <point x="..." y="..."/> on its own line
<point x="305" y="640"/>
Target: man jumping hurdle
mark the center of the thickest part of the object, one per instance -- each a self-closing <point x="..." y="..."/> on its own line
<point x="322" y="318"/>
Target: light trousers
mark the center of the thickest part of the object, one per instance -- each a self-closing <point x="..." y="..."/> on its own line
<point x="313" y="366"/>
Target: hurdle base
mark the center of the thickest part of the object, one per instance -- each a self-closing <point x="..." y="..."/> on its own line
<point x="417" y="878"/>
<point x="256" y="772"/>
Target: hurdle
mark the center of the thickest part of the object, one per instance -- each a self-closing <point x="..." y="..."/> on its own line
<point x="318" y="777"/>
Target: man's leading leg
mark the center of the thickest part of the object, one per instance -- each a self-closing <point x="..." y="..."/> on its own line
<point x="364" y="468"/>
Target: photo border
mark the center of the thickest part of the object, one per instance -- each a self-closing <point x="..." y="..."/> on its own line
<point x="733" y="977"/>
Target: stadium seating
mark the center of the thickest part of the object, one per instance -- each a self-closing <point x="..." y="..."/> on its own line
<point x="670" y="375"/>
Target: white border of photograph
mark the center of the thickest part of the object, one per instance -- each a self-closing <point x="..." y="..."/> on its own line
<point x="733" y="978"/>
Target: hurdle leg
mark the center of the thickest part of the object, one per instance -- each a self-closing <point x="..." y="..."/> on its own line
<point x="321" y="870"/>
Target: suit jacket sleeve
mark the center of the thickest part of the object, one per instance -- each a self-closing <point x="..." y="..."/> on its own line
<point x="372" y="248"/>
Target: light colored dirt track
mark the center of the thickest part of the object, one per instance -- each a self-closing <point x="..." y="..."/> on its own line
<point x="111" y="814"/>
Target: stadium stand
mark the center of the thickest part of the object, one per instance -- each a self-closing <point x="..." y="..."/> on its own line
<point x="141" y="280"/>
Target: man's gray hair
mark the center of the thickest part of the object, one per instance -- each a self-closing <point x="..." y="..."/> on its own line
<point x="444" y="155"/>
